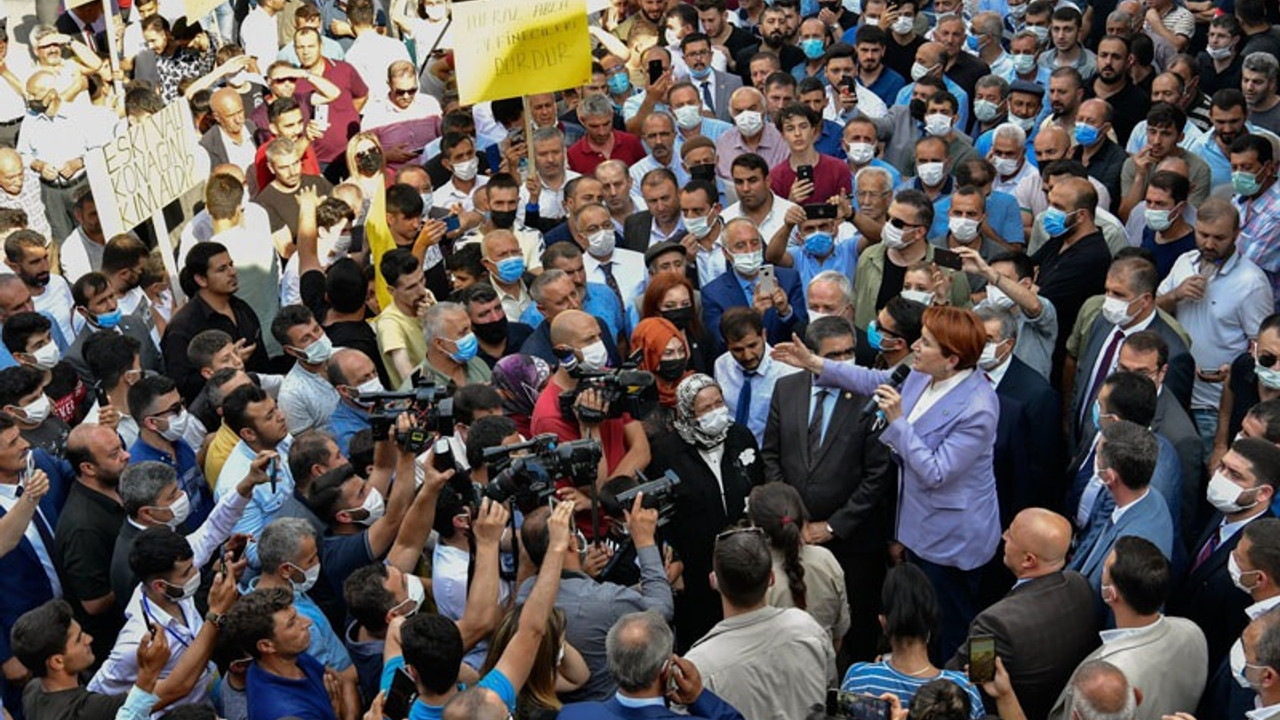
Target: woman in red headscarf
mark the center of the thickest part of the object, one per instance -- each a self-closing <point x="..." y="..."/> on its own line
<point x="665" y="353"/>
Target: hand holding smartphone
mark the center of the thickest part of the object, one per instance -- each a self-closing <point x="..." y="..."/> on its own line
<point x="948" y="259"/>
<point x="982" y="658"/>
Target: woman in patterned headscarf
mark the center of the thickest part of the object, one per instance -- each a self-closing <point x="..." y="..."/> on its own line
<point x="718" y="463"/>
<point x="519" y="379"/>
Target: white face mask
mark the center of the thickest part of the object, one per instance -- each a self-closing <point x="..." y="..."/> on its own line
<point x="715" y="421"/>
<point x="688" y="117"/>
<point x="374" y="506"/>
<point x="37" y="410"/>
<point x="924" y="297"/>
<point x="1237" y="574"/>
<point x="932" y="174"/>
<point x="309" y="577"/>
<point x="601" y="243"/>
<point x="699" y="227"/>
<point x="1237" y="664"/>
<point x="177" y="426"/>
<point x="47" y="356"/>
<point x="1116" y="311"/>
<point x="1025" y="123"/>
<point x="466" y="170"/>
<point x="902" y="26"/>
<point x="372" y="385"/>
<point x="1224" y="495"/>
<point x="937" y="124"/>
<point x="965" y="229"/>
<point x="989" y="359"/>
<point x="595" y="357"/>
<point x="861" y="153"/>
<point x="749" y="122"/>
<point x="918" y="70"/>
<point x="181" y="510"/>
<point x="997" y="297"/>
<point x="189" y="588"/>
<point x="1005" y="166"/>
<point x="747" y="264"/>
<point x="892" y="237"/>
<point x="1221" y="53"/>
<point x="417" y="596"/>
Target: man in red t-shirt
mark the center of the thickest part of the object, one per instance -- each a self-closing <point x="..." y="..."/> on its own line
<point x="626" y="449"/>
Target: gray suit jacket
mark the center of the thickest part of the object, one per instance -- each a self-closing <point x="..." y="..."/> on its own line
<point x="135" y="328"/>
<point x="725" y="85"/>
<point x="1168" y="662"/>
<point x="212" y="143"/>
<point x="1173" y="422"/>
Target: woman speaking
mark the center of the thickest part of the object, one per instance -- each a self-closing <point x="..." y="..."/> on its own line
<point x="942" y="431"/>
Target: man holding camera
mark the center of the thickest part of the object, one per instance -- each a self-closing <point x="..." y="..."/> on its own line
<point x="577" y="340"/>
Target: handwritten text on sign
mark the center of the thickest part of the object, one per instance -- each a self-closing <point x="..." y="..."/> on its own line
<point x="145" y="168"/>
<point x="520" y="48"/>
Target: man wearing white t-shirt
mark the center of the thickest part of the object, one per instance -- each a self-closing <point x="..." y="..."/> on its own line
<point x="372" y="52"/>
<point x="259" y="34"/>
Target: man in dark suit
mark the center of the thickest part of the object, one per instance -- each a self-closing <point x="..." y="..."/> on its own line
<point x="1147" y="353"/>
<point x="28" y="575"/>
<point x="782" y="306"/>
<point x="96" y="301"/>
<point x="230" y="140"/>
<point x="661" y="221"/>
<point x="714" y="87"/>
<point x="1028" y="450"/>
<point x="1130" y="307"/>
<point x="843" y="474"/>
<point x="1241" y="491"/>
<point x="1040" y="656"/>
<point x="640" y="646"/>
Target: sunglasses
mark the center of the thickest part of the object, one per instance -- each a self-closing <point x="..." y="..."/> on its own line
<point x="902" y="224"/>
<point x="1266" y="360"/>
<point x="408" y="92"/>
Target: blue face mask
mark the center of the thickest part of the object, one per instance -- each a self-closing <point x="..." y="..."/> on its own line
<point x="874" y="338"/>
<point x="107" y="321"/>
<point x="467" y="348"/>
<point x="812" y="48"/>
<point x="619" y="83"/>
<point x="973" y="43"/>
<point x="819" y="244"/>
<point x="1086" y="134"/>
<point x="1055" y="222"/>
<point x="702" y="74"/>
<point x="1245" y="183"/>
<point x="510" y="269"/>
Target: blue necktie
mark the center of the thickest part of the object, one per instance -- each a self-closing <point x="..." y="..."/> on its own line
<point x="743" y="411"/>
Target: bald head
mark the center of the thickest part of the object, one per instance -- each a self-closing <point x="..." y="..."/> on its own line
<point x="1036" y="542"/>
<point x="1175" y="164"/>
<point x="14" y="296"/>
<point x="476" y="703"/>
<point x="10" y="160"/>
<point x="1101" y="689"/>
<point x="229" y="169"/>
<point x="571" y="326"/>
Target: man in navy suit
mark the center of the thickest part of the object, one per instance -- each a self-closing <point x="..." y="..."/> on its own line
<point x="28" y="573"/>
<point x="639" y="646"/>
<point x="1126" y="459"/>
<point x="782" y="306"/>
<point x="1241" y="491"/>
<point x="1028" y="450"/>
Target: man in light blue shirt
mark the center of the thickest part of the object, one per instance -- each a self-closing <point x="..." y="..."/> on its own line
<point x="597" y="299"/>
<point x="810" y="245"/>
<point x="253" y="415"/>
<point x="746" y="373"/>
<point x="929" y="56"/>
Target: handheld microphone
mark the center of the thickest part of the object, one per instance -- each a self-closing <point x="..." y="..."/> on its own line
<point x="895" y="381"/>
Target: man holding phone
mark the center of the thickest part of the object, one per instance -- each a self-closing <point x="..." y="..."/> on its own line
<point x="776" y="293"/>
<point x="825" y="243"/>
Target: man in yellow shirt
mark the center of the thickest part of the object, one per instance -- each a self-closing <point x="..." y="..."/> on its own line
<point x="399" y="326"/>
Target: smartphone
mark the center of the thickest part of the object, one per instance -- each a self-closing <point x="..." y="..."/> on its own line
<point x="273" y="472"/>
<point x="856" y="706"/>
<point x="805" y="172"/>
<point x="400" y="697"/>
<point x="515" y="137"/>
<point x="947" y="258"/>
<point x="672" y="671"/>
<point x="320" y="113"/>
<point x="982" y="658"/>
<point x="442" y="459"/>
<point x="30" y="468"/>
<point x="451" y="223"/>
<point x="766" y="282"/>
<point x="101" y="393"/>
<point x="849" y="85"/>
<point x="820" y="211"/>
<point x="655" y="71"/>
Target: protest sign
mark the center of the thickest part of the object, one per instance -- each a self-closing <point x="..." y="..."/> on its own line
<point x="519" y="47"/>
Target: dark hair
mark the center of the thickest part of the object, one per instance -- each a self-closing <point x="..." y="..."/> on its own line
<point x="918" y="201"/>
<point x="1140" y="573"/>
<point x="1264" y="541"/>
<point x="1263" y="457"/>
<point x="487" y="432"/>
<point x="404" y="199"/>
<point x="468" y="259"/>
<point x="1131" y="450"/>
<point x="941" y="699"/>
<point x="367" y="598"/>
<point x="143" y="394"/>
<point x="41" y="633"/>
<point x="122" y="251"/>
<point x="324" y="495"/>
<point x="197" y="264"/>
<point x="1165" y="115"/>
<point x="280" y="106"/>
<point x="777" y="509"/>
<point x="750" y="161"/>
<point x="433" y="648"/>
<point x="1228" y="98"/>
<point x="797" y="110"/>
<point x="345" y="285"/>
<point x="17" y="382"/>
<point x="1023" y="266"/>
<point x="395" y="264"/>
<point x="155" y="551"/>
<point x="1248" y="142"/>
<point x="235" y="409"/>
<point x="738" y="322"/>
<point x="470" y="398"/>
<point x="252" y="618"/>
<point x="909" y="603"/>
<point x="360" y="12"/>
<point x="870" y="34"/>
<point x="944" y="97"/>
<point x="1266" y="412"/>
<point x="205" y="345"/>
<point x="1149" y="341"/>
<point x="19" y="328"/>
<point x="694" y="36"/>
<point x="1132" y="397"/>
<point x="742" y="565"/>
<point x="908" y="317"/>
<point x="89" y="283"/>
<point x="533" y="534"/>
<point x="310" y="447"/>
<point x="289" y="317"/>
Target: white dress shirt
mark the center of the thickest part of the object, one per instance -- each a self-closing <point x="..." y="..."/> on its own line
<point x="628" y="270"/>
<point x="772" y="222"/>
<point x="1115" y="634"/>
<point x="371" y="54"/>
<point x="259" y="36"/>
<point x="8" y="500"/>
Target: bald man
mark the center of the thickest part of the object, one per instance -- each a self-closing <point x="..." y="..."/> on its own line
<point x="1039" y="656"/>
<point x="1100" y="689"/>
<point x="578" y="339"/>
<point x="230" y="140"/>
<point x="20" y="190"/>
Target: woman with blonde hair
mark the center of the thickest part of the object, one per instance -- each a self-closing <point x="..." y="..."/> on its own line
<point x="557" y="668"/>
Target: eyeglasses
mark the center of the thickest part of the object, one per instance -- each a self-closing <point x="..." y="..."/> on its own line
<point x="1266" y="360"/>
<point x="407" y="92"/>
<point x="903" y="224"/>
<point x="738" y="530"/>
<point x="841" y="354"/>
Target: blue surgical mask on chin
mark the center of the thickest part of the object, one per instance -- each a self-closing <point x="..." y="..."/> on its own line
<point x="108" y="321"/>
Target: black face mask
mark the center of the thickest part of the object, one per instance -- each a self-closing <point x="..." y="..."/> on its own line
<point x="704" y="171"/>
<point x="680" y="317"/>
<point x="369" y="161"/>
<point x="491" y="333"/>
<point x="917" y="109"/>
<point x="39" y="107"/>
<point x="671" y="370"/>
<point x="503" y="219"/>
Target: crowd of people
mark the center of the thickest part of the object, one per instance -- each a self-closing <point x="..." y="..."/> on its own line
<point x="815" y="359"/>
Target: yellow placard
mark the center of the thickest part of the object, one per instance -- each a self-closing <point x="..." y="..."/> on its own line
<point x="144" y="168"/>
<point x="509" y="48"/>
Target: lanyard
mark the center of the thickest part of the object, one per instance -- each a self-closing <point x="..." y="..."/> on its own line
<point x="146" y="610"/>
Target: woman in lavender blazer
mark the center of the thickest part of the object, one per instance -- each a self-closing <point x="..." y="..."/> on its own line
<point x="942" y="431"/>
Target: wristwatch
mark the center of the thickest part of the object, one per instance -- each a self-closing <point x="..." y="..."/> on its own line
<point x="216" y="619"/>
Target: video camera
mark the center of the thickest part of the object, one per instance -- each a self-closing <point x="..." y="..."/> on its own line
<point x="659" y="494"/>
<point x="624" y="390"/>
<point x="531" y="478"/>
<point x="429" y="403"/>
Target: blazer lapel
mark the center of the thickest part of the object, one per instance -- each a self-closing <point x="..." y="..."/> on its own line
<point x="844" y="414"/>
<point x="947" y="406"/>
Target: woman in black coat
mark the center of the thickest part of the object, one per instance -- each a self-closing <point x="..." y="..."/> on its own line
<point x="718" y="463"/>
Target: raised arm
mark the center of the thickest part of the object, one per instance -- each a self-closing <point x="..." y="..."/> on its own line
<point x="400" y="494"/>
<point x="15" y="522"/>
<point x="483" y="611"/>
<point x="517" y="660"/>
